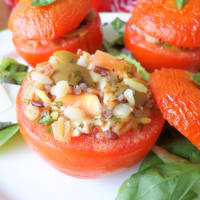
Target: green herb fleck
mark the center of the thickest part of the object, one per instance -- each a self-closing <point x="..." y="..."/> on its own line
<point x="58" y="104"/>
<point x="41" y="2"/>
<point x="195" y="77"/>
<point x="116" y="119"/>
<point x="45" y="119"/>
<point x="27" y="101"/>
<point x="50" y="130"/>
<point x="180" y="3"/>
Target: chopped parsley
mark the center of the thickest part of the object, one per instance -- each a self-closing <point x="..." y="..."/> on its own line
<point x="116" y="119"/>
<point x="45" y="119"/>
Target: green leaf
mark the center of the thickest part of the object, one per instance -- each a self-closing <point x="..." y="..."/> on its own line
<point x="180" y="3"/>
<point x="7" y="133"/>
<point x="176" y="143"/>
<point x="46" y="119"/>
<point x="42" y="2"/>
<point x="195" y="77"/>
<point x="166" y="156"/>
<point x="118" y="25"/>
<point x="172" y="181"/>
<point x="11" y="71"/>
<point x="150" y="160"/>
<point x="141" y="70"/>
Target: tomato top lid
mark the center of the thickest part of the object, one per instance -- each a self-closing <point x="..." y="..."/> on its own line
<point x="175" y="23"/>
<point x="47" y="22"/>
<point x="177" y="96"/>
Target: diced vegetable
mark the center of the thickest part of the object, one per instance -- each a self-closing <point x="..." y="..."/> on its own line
<point x="122" y="111"/>
<point x="32" y="112"/>
<point x="43" y="96"/>
<point x="136" y="85"/>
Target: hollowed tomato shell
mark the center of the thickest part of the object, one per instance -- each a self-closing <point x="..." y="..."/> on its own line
<point x="87" y="156"/>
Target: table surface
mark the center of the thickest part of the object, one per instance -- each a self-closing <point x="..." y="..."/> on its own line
<point x="4" y="14"/>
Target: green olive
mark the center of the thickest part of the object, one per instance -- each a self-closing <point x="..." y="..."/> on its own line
<point x="67" y="69"/>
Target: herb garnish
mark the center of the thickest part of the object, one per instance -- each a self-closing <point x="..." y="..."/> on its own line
<point x="116" y="119"/>
<point x="45" y="119"/>
<point x="180" y="3"/>
<point x="58" y="104"/>
<point x="41" y="2"/>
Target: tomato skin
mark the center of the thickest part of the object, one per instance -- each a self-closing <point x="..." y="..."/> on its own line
<point x="47" y="22"/>
<point x="178" y="99"/>
<point x="153" y="56"/>
<point x="162" y="19"/>
<point x="113" y="5"/>
<point x="86" y="156"/>
<point x="90" y="42"/>
<point x="101" y="6"/>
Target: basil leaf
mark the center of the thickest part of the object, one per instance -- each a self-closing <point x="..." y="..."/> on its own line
<point x="172" y="181"/>
<point x="42" y="2"/>
<point x="141" y="70"/>
<point x="46" y="119"/>
<point x="150" y="160"/>
<point x="7" y="133"/>
<point x="180" y="3"/>
<point x="195" y="77"/>
<point x="11" y="71"/>
<point x="177" y="144"/>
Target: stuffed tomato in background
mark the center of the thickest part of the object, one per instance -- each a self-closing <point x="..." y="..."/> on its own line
<point x="88" y="115"/>
<point x="38" y="31"/>
<point x="165" y="34"/>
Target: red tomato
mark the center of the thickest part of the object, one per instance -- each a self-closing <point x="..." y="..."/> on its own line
<point x="87" y="37"/>
<point x="113" y="5"/>
<point x="154" y="56"/>
<point x="47" y="22"/>
<point x="87" y="156"/>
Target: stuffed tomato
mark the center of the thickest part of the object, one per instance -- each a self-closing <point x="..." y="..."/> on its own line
<point x="41" y="30"/>
<point x="88" y="115"/>
<point x="165" y="34"/>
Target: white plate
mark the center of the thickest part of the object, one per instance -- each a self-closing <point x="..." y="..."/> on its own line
<point x="25" y="176"/>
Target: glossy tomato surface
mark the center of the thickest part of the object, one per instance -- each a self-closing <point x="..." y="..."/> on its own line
<point x="87" y="37"/>
<point x="177" y="96"/>
<point x="87" y="156"/>
<point x="47" y="22"/>
<point x="155" y="56"/>
<point x="113" y="5"/>
<point x="163" y="19"/>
